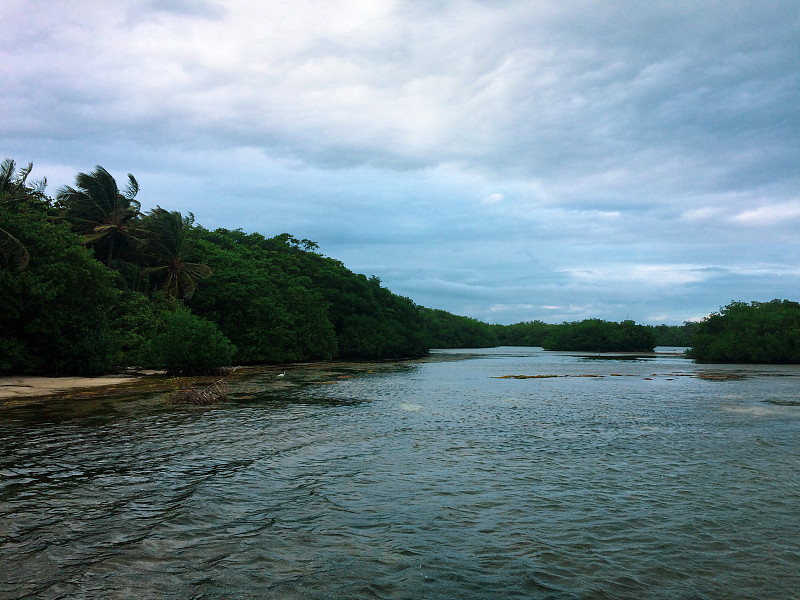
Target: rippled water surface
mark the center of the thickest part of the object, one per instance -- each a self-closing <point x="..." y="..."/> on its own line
<point x="648" y="478"/>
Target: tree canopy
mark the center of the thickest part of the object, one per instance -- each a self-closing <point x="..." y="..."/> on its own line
<point x="167" y="242"/>
<point x="98" y="210"/>
<point x="55" y="307"/>
<point x="592" y="335"/>
<point x="758" y="332"/>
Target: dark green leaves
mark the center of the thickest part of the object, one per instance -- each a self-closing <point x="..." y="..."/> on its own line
<point x="759" y="332"/>
<point x="100" y="212"/>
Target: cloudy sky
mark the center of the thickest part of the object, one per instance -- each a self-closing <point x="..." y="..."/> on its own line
<point x="507" y="160"/>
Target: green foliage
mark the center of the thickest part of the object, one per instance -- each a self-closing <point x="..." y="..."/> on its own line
<point x="278" y="300"/>
<point x="161" y="333"/>
<point x="446" y="330"/>
<point x="14" y="183"/>
<point x="260" y="300"/>
<point x="590" y="335"/>
<point x="135" y="321"/>
<point x="595" y="335"/>
<point x="529" y="333"/>
<point x="167" y="241"/>
<point x="675" y="335"/>
<point x="186" y="344"/>
<point x="370" y="321"/>
<point x="101" y="213"/>
<point x="14" y="191"/>
<point x="759" y="332"/>
<point x="55" y="311"/>
<point x="13" y="253"/>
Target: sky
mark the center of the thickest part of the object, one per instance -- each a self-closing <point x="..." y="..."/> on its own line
<point x="505" y="160"/>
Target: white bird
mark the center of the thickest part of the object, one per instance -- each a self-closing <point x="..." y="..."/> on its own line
<point x="282" y="374"/>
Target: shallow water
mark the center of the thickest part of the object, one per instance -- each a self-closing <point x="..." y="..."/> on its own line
<point x="643" y="478"/>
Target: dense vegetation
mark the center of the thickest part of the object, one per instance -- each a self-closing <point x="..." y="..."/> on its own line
<point x="55" y="299"/>
<point x="759" y="332"/>
<point x="593" y="334"/>
<point x="601" y="336"/>
<point x="528" y="333"/>
<point x="675" y="335"/>
<point x="277" y="299"/>
<point x="89" y="283"/>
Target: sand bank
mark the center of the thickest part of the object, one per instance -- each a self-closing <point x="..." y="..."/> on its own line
<point x="26" y="387"/>
<point x="17" y="387"/>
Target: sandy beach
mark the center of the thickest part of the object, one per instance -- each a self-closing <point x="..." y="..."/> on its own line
<point x="27" y="387"/>
<point x="20" y="387"/>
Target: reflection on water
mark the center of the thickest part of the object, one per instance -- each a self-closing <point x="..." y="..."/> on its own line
<point x="652" y="477"/>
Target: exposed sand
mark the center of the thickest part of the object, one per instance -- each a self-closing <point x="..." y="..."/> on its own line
<point x="22" y="388"/>
<point x="26" y="387"/>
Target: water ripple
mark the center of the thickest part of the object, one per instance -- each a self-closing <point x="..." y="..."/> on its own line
<point x="448" y="483"/>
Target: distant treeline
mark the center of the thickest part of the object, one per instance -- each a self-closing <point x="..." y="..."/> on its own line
<point x="595" y="334"/>
<point x="89" y="283"/>
<point x="758" y="332"/>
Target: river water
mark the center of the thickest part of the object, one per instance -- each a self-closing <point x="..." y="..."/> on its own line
<point x="610" y="478"/>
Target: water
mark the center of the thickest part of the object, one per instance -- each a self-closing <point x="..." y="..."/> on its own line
<point x="657" y="478"/>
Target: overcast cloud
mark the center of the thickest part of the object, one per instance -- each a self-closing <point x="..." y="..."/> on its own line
<point x="507" y="160"/>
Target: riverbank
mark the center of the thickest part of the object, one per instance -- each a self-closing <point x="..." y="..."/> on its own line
<point x="20" y="387"/>
<point x="17" y="389"/>
<point x="15" y="386"/>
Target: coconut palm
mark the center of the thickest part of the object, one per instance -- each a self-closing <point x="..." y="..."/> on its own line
<point x="98" y="210"/>
<point x="167" y="244"/>
<point x="14" y="188"/>
<point x="14" y="184"/>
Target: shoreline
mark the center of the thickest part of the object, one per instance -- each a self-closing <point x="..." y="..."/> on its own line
<point x="29" y="387"/>
<point x="14" y="387"/>
<point x="32" y="387"/>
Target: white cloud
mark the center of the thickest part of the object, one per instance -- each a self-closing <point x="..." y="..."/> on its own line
<point x="769" y="215"/>
<point x="704" y="213"/>
<point x="651" y="275"/>
<point x="492" y="199"/>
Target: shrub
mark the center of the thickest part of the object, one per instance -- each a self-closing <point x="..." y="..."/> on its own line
<point x="759" y="332"/>
<point x="190" y="345"/>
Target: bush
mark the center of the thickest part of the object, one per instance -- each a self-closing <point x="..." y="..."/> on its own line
<point x="759" y="332"/>
<point x="135" y="320"/>
<point x="190" y="345"/>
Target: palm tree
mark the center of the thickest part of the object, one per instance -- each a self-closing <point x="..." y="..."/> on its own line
<point x="168" y="243"/>
<point x="15" y="184"/>
<point x="98" y="210"/>
<point x="14" y="187"/>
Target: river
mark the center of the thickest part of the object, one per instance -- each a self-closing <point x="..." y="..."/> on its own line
<point x="592" y="477"/>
